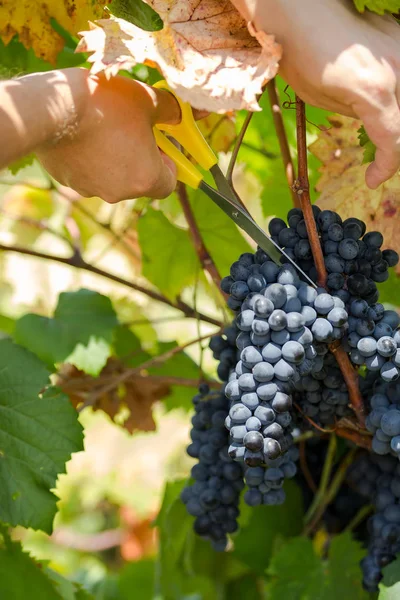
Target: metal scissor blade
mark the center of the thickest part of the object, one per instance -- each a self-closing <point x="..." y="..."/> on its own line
<point x="223" y="186"/>
<point x="246" y="222"/>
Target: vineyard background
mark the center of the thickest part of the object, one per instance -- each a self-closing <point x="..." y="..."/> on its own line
<point x="117" y="302"/>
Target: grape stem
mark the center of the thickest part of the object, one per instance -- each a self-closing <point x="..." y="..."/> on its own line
<point x="119" y="378"/>
<point x="236" y="148"/>
<point x="320" y="496"/>
<point x="302" y="188"/>
<point x="205" y="259"/>
<point x="282" y="139"/>
<point x="364" y="441"/>
<point x="330" y="492"/>
<point x="362" y="514"/>
<point x="304" y="467"/>
<point x="351" y="378"/>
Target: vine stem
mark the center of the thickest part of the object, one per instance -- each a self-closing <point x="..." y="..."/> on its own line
<point x="282" y="139"/>
<point x="304" y="467"/>
<point x="351" y="378"/>
<point x="364" y="441"/>
<point x="205" y="259"/>
<point x="302" y="188"/>
<point x="362" y="514"/>
<point x="319" y="497"/>
<point x="77" y="261"/>
<point x="236" y="148"/>
<point x="331" y="492"/>
<point x="152" y="362"/>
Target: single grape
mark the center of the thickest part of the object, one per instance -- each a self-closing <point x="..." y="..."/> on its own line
<point x="322" y="330"/>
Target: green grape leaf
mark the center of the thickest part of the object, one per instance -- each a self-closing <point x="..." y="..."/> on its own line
<point x="378" y="6"/>
<point x="389" y="588"/>
<point x="168" y="257"/>
<point x="223" y="240"/>
<point x="137" y="12"/>
<point x="21" y="163"/>
<point x="68" y="590"/>
<point x="180" y="365"/>
<point x="264" y="524"/>
<point x="344" y="575"/>
<point x="296" y="572"/>
<point x="128" y="348"/>
<point x="38" y="434"/>
<point x="369" y="147"/>
<point x="138" y="576"/>
<point x="21" y="577"/>
<point x="248" y="587"/>
<point x="81" y="331"/>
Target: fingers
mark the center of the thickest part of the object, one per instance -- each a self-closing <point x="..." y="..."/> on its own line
<point x="382" y="123"/>
<point x="165" y="183"/>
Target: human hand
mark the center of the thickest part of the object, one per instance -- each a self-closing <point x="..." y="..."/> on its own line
<point x="113" y="153"/>
<point x="342" y="61"/>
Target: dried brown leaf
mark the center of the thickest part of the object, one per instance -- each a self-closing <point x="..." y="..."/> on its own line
<point x="205" y="51"/>
<point x="137" y="395"/>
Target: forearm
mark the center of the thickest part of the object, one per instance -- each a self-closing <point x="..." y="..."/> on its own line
<point x="40" y="109"/>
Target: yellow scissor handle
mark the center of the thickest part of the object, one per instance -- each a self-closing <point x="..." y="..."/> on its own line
<point x="191" y="139"/>
<point x="186" y="171"/>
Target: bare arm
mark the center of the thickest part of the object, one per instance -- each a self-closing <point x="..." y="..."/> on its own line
<point x="91" y="134"/>
<point x="340" y="60"/>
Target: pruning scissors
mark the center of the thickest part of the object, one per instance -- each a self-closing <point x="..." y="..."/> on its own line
<point x="192" y="140"/>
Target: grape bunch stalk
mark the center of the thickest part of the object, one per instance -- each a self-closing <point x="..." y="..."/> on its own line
<point x="278" y="362"/>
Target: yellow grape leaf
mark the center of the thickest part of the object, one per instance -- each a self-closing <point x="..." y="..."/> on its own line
<point x="205" y="51"/>
<point x="30" y="19"/>
<point x="342" y="182"/>
<point x="219" y="131"/>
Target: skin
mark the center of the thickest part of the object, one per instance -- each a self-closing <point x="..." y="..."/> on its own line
<point x="95" y="136"/>
<point x="91" y="134"/>
<point x="342" y="61"/>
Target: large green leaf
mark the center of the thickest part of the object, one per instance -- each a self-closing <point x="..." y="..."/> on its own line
<point x="344" y="575"/>
<point x="21" y="577"/>
<point x="80" y="332"/>
<point x="378" y="6"/>
<point x="137" y="578"/>
<point x="38" y="434"/>
<point x="174" y="524"/>
<point x="264" y="525"/>
<point x="389" y="588"/>
<point x="68" y="590"/>
<point x="168" y="257"/>
<point x="297" y="573"/>
<point x="137" y="12"/>
<point x="180" y="365"/>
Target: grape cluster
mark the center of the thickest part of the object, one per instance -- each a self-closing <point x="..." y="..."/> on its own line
<point x="322" y="395"/>
<point x="223" y="347"/>
<point x="378" y="479"/>
<point x="280" y="351"/>
<point x="353" y="258"/>
<point x="373" y="339"/>
<point x="285" y="326"/>
<point x="384" y="419"/>
<point x="265" y="485"/>
<point x="214" y="496"/>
